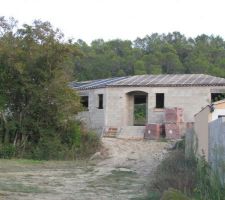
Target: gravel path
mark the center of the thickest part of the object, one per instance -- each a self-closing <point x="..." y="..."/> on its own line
<point x="120" y="171"/>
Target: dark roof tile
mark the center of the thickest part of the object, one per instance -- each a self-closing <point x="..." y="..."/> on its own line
<point x="169" y="80"/>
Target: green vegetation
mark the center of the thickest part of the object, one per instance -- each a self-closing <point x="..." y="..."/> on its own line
<point x="154" y="54"/>
<point x="218" y="97"/>
<point x="173" y="194"/>
<point x="186" y="179"/>
<point x="140" y="114"/>
<point x="18" y="187"/>
<point x="36" y="105"/>
<point x="209" y="186"/>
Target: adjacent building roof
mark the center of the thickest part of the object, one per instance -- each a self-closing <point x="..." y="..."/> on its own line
<point x="164" y="80"/>
<point x="212" y="106"/>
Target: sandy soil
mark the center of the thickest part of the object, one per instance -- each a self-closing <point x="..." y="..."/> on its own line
<point x="120" y="171"/>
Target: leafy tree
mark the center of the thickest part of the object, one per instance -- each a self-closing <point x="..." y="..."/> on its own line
<point x="35" y="100"/>
<point x="153" y="54"/>
<point x="139" y="67"/>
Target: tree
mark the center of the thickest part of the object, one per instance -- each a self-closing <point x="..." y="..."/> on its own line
<point x="139" y="68"/>
<point x="35" y="97"/>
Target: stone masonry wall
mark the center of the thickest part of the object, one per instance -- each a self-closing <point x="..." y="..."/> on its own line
<point x="94" y="118"/>
<point x="191" y="99"/>
<point x="118" y="106"/>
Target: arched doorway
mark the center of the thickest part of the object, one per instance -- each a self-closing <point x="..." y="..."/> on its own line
<point x="137" y="108"/>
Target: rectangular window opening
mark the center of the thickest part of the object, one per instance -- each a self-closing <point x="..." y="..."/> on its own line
<point x="100" y="101"/>
<point x="84" y="101"/>
<point x="217" y="97"/>
<point x="159" y="100"/>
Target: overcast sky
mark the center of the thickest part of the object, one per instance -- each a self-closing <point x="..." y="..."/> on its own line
<point x="124" y="19"/>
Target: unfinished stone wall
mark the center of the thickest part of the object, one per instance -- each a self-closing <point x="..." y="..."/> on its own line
<point x="118" y="106"/>
<point x="94" y="118"/>
<point x="191" y="99"/>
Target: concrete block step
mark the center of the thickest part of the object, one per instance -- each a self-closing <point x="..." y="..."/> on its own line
<point x="110" y="136"/>
<point x="110" y="132"/>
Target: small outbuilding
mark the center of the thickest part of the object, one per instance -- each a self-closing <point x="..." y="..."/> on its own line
<point x="123" y="106"/>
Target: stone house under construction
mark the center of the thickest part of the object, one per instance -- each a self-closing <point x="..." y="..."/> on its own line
<point x="125" y="105"/>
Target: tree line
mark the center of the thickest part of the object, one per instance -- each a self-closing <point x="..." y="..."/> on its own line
<point x="154" y="54"/>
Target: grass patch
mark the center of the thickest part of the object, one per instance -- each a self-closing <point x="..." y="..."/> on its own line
<point x="117" y="180"/>
<point x="190" y="178"/>
<point x="19" y="187"/>
<point x="123" y="174"/>
<point x="29" y="161"/>
<point x="176" y="172"/>
<point x="162" y="139"/>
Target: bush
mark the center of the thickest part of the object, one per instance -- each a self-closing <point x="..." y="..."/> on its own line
<point x="74" y="143"/>
<point x="173" y="194"/>
<point x="209" y="186"/>
<point x="192" y="177"/>
<point x="49" y="149"/>
<point x="7" y="151"/>
<point x="175" y="172"/>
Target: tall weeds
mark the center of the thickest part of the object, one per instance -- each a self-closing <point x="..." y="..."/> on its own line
<point x="208" y="186"/>
<point x="193" y="177"/>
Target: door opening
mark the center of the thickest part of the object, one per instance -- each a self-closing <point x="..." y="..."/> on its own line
<point x="140" y="110"/>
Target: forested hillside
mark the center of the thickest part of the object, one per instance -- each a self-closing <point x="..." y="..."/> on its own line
<point x="37" y="107"/>
<point x="154" y="54"/>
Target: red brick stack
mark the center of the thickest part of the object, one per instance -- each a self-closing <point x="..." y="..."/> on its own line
<point x="174" y="115"/>
<point x="174" y="123"/>
<point x="153" y="131"/>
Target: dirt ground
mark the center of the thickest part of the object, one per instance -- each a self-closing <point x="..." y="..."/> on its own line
<point x="122" y="170"/>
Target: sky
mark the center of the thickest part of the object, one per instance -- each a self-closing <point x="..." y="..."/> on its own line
<point x="121" y="19"/>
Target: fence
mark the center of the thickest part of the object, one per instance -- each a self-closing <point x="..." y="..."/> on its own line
<point x="190" y="143"/>
<point x="217" y="147"/>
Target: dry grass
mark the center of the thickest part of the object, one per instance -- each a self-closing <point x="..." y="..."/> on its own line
<point x="174" y="172"/>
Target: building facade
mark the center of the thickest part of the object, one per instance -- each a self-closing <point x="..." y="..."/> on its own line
<point x="127" y="104"/>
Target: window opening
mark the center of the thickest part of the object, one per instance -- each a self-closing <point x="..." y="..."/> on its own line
<point x="84" y="101"/>
<point x="159" y="100"/>
<point x="100" y="101"/>
<point x="217" y="97"/>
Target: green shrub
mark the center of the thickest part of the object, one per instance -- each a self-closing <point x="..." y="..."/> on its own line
<point x="192" y="176"/>
<point x="152" y="196"/>
<point x="209" y="186"/>
<point x="172" y="194"/>
<point x="49" y="149"/>
<point x="7" y="151"/>
<point x="181" y="144"/>
<point x="175" y="172"/>
<point x="74" y="143"/>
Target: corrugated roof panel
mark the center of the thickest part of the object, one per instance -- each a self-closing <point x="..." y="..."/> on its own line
<point x="221" y="80"/>
<point x="154" y="79"/>
<point x="137" y="80"/>
<point x="144" y="80"/>
<point x="171" y="78"/>
<point x="163" y="80"/>
<point x="95" y="83"/>
<point x="126" y="81"/>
